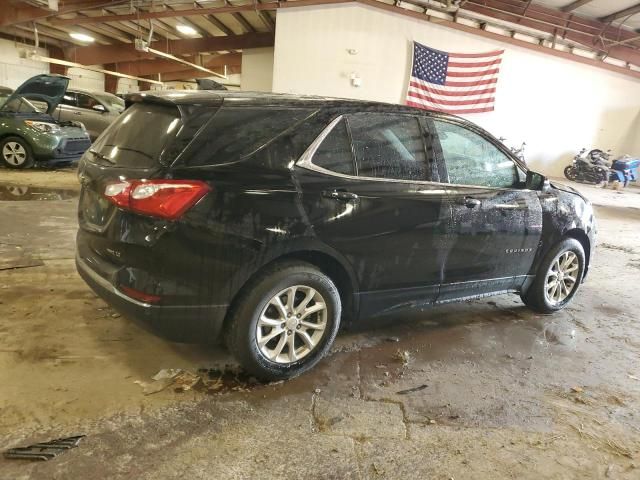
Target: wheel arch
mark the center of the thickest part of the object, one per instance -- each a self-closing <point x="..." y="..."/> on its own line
<point x="336" y="269"/>
<point x="17" y="135"/>
<point x="580" y="235"/>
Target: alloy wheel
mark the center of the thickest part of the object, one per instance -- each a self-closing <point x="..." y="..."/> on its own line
<point x="562" y="277"/>
<point x="292" y="324"/>
<point x="14" y="153"/>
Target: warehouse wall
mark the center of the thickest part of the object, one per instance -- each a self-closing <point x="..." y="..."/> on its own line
<point x="257" y="69"/>
<point x="556" y="106"/>
<point x="15" y="70"/>
<point x="86" y="79"/>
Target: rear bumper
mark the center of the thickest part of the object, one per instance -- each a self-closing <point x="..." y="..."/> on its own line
<point x="177" y="323"/>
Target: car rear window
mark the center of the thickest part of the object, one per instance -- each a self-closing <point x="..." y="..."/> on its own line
<point x="236" y="132"/>
<point x="139" y="136"/>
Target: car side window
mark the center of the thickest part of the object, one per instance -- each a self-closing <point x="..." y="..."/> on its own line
<point x="389" y="146"/>
<point x="86" y="101"/>
<point x="472" y="160"/>
<point x="334" y="153"/>
<point x="69" y="99"/>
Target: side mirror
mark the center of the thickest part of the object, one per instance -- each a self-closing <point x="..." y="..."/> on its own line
<point x="99" y="108"/>
<point x="537" y="181"/>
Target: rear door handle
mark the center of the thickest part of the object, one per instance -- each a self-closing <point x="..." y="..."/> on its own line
<point x="471" y="202"/>
<point x="77" y="113"/>
<point x="341" y="195"/>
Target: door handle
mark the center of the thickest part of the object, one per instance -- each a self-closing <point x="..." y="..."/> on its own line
<point x="77" y="113"/>
<point x="341" y="195"/>
<point x="471" y="202"/>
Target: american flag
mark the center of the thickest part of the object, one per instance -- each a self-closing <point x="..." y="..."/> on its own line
<point x="456" y="83"/>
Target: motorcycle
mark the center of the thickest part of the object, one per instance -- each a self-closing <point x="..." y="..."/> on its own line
<point x="592" y="167"/>
<point x="625" y="170"/>
<point x="518" y="152"/>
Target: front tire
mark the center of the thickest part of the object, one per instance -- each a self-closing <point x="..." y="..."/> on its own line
<point x="285" y="321"/>
<point x="558" y="278"/>
<point x="16" y="153"/>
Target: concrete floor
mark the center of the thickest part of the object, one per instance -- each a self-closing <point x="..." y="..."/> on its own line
<point x="500" y="391"/>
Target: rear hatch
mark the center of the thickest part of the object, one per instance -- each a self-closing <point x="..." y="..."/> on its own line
<point x="140" y="144"/>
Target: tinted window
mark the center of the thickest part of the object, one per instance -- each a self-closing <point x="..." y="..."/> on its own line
<point x="236" y="132"/>
<point x="472" y="160"/>
<point x="388" y="146"/>
<point x="334" y="153"/>
<point x="86" y="101"/>
<point x="139" y="135"/>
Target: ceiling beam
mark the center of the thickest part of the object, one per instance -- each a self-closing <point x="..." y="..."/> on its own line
<point x="499" y="38"/>
<point x="627" y="12"/>
<point x="140" y="15"/>
<point x="594" y="35"/>
<point x="150" y="67"/>
<point x="573" y="5"/>
<point x="98" y="54"/>
<point x="246" y="26"/>
<point x="29" y="13"/>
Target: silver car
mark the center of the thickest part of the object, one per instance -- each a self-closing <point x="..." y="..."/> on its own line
<point x="96" y="110"/>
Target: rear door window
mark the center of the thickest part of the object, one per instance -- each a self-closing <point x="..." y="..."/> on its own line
<point x="235" y="133"/>
<point x="86" y="101"/>
<point x="389" y="146"/>
<point x="334" y="153"/>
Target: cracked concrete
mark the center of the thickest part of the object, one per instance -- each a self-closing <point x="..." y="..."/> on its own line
<point x="490" y="389"/>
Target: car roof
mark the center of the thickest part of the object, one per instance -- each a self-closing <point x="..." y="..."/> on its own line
<point x="244" y="98"/>
<point x="89" y="92"/>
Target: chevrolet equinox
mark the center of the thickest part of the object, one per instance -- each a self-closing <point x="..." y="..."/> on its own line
<point x="268" y="219"/>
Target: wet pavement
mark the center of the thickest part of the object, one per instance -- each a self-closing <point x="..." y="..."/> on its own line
<point x="483" y="389"/>
<point x="22" y="193"/>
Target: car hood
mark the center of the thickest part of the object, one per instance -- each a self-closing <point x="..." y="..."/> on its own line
<point x="44" y="88"/>
<point x="566" y="188"/>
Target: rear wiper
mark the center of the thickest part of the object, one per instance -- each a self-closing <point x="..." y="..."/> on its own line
<point x="100" y="156"/>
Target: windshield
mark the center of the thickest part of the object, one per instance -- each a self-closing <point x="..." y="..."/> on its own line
<point x="139" y="136"/>
<point x="111" y="101"/>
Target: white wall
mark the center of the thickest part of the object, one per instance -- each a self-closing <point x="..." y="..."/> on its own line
<point x="556" y="106"/>
<point x="257" y="69"/>
<point x="15" y="70"/>
<point x="81" y="78"/>
<point x="127" y="85"/>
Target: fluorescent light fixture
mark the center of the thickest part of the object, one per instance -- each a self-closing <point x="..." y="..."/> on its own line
<point x="92" y="69"/>
<point x="81" y="37"/>
<point x="186" y="29"/>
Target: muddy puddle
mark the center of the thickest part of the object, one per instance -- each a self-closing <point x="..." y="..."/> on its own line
<point x="13" y="193"/>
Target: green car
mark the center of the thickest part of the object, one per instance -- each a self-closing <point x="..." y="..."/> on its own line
<point x="28" y="131"/>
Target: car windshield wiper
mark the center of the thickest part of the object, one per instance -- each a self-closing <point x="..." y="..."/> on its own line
<point x="97" y="154"/>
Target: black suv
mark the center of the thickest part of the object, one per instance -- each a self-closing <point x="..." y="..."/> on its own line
<point x="271" y="218"/>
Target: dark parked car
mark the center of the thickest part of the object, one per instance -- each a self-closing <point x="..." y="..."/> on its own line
<point x="272" y="218"/>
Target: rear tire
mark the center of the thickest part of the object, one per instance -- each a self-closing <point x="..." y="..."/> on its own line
<point x="558" y="278"/>
<point x="270" y="317"/>
<point x="16" y="153"/>
<point x="570" y="172"/>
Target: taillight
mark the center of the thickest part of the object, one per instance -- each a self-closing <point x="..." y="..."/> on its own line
<point x="157" y="198"/>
